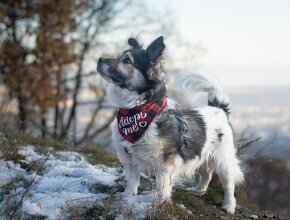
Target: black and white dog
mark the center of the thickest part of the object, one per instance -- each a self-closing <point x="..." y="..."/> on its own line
<point x="152" y="135"/>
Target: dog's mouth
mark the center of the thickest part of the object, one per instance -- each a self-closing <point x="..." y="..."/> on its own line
<point x="103" y="67"/>
<point x="108" y="73"/>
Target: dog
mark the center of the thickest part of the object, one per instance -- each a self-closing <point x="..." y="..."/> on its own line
<point x="151" y="134"/>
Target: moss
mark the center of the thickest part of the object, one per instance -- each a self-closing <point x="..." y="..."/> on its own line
<point x="206" y="207"/>
<point x="240" y="194"/>
<point x="101" y="188"/>
<point x="97" y="155"/>
<point x="96" y="212"/>
<point x="4" y="190"/>
<point x="190" y="201"/>
<point x="94" y="154"/>
<point x="167" y="210"/>
<point x="15" y="157"/>
<point x="44" y="145"/>
<point x="185" y="197"/>
<point x="34" y="217"/>
<point x="214" y="194"/>
<point x="11" y="141"/>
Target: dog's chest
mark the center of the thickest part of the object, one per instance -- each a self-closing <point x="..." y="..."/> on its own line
<point x="147" y="148"/>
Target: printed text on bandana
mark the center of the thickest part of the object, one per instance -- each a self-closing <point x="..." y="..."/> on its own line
<point x="131" y="124"/>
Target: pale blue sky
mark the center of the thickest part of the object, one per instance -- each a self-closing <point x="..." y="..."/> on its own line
<point x="247" y="41"/>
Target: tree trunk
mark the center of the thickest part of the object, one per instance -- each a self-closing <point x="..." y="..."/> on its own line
<point x="78" y="83"/>
<point x="21" y="112"/>
<point x="43" y="126"/>
<point x="56" y="118"/>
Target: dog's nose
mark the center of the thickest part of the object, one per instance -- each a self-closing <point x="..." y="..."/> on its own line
<point x="101" y="60"/>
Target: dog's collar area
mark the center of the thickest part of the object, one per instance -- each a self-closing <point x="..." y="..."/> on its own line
<point x="183" y="125"/>
<point x="144" y="106"/>
<point x="133" y="122"/>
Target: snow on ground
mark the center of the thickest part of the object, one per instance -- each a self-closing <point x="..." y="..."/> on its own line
<point x="9" y="170"/>
<point x="66" y="183"/>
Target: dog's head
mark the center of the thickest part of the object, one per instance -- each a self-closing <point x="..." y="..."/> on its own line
<point x="137" y="70"/>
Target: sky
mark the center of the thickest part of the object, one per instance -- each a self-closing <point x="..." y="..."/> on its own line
<point x="247" y="42"/>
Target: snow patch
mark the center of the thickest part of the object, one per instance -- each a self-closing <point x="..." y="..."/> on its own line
<point x="29" y="153"/>
<point x="67" y="182"/>
<point x="9" y="171"/>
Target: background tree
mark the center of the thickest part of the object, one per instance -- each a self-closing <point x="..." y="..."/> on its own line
<point x="36" y="48"/>
<point x="45" y="50"/>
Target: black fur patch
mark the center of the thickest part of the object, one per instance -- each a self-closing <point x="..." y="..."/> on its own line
<point x="155" y="49"/>
<point x="172" y="133"/>
<point x="224" y="106"/>
<point x="126" y="150"/>
<point x="156" y="92"/>
<point x="219" y="134"/>
<point x="134" y="43"/>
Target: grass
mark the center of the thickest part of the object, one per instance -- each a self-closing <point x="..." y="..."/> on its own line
<point x="186" y="205"/>
<point x="96" y="155"/>
<point x="10" y="142"/>
<point x="101" y="188"/>
<point x="97" y="211"/>
<point x="9" y="190"/>
<point x="167" y="210"/>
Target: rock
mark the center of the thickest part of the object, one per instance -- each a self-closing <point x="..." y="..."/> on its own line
<point x="269" y="214"/>
<point x="253" y="217"/>
<point x="189" y="213"/>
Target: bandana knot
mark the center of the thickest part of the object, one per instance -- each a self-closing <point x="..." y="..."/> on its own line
<point x="133" y="122"/>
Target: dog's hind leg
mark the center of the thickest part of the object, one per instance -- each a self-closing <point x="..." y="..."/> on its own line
<point x="228" y="184"/>
<point x="229" y="174"/>
<point x="205" y="173"/>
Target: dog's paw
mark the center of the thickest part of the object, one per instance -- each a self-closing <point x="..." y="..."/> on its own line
<point x="162" y="198"/>
<point x="228" y="208"/>
<point x="198" y="191"/>
<point x="129" y="192"/>
<point x="199" y="194"/>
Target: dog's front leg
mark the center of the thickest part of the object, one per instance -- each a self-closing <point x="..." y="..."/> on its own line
<point x="164" y="182"/>
<point x="132" y="177"/>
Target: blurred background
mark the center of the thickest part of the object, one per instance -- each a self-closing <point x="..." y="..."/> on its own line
<point x="50" y="88"/>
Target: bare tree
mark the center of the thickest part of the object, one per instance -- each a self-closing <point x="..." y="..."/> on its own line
<point x="99" y="23"/>
<point x="45" y="48"/>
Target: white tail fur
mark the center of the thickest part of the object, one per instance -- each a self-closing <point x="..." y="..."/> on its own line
<point x="194" y="83"/>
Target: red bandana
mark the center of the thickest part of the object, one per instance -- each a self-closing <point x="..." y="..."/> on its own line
<point x="133" y="122"/>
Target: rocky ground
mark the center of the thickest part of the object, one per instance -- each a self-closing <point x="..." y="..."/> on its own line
<point x="62" y="184"/>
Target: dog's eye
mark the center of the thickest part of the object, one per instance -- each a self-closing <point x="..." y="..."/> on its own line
<point x="127" y="60"/>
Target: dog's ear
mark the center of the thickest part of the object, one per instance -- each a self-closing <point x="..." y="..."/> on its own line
<point x="133" y="43"/>
<point x="155" y="49"/>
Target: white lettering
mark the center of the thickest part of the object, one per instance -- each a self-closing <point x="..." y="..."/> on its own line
<point x="143" y="114"/>
<point x="124" y="121"/>
<point x="135" y="128"/>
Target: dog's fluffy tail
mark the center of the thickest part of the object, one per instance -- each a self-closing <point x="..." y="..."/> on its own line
<point x="195" y="83"/>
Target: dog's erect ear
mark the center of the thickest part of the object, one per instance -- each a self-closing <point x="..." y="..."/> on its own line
<point x="133" y="43"/>
<point x="155" y="49"/>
